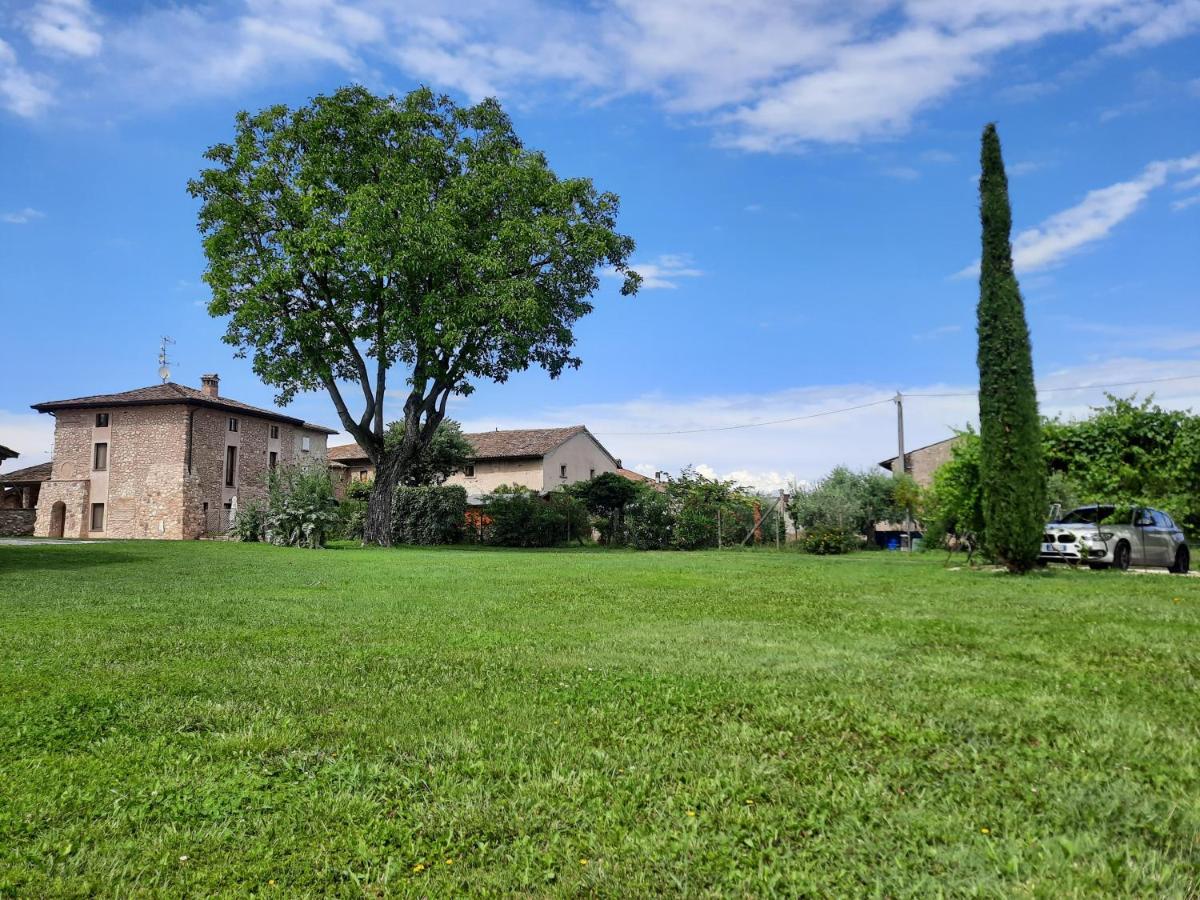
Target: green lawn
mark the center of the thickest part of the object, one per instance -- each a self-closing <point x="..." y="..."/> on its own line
<point x="203" y="718"/>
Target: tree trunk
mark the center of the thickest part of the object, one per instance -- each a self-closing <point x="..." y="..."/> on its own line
<point x="378" y="527"/>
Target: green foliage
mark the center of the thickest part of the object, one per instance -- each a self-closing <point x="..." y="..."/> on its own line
<point x="846" y="501"/>
<point x="1131" y="452"/>
<point x="352" y="517"/>
<point x="447" y="452"/>
<point x="301" y="509"/>
<point x="606" y="497"/>
<point x="249" y="523"/>
<point x="953" y="505"/>
<point x="519" y="517"/>
<point x="360" y="490"/>
<point x="825" y="540"/>
<point x="695" y="501"/>
<point x="650" y="520"/>
<point x="357" y="233"/>
<point x="429" y="515"/>
<point x="1011" y="465"/>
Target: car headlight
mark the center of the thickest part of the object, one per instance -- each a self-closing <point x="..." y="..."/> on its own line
<point x="1099" y="536"/>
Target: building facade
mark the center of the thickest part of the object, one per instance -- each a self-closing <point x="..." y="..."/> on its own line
<point x="923" y="462"/>
<point x="167" y="462"/>
<point x="540" y="459"/>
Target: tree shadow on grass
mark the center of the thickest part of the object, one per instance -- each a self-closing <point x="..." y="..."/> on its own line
<point x="40" y="557"/>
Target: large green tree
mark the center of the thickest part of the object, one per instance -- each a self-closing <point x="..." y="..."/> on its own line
<point x="360" y="233"/>
<point x="1011" y="466"/>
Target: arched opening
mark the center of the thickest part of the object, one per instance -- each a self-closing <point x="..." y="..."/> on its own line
<point x="58" y="519"/>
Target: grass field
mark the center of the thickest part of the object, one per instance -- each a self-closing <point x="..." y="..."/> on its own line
<point x="204" y="718"/>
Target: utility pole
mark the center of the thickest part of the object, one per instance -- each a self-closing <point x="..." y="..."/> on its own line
<point x="900" y="460"/>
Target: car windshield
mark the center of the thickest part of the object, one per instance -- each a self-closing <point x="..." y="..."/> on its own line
<point x="1097" y="514"/>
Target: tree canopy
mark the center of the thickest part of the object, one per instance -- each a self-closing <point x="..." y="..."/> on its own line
<point x="447" y="452"/>
<point x="357" y="233"/>
<point x="1010" y="463"/>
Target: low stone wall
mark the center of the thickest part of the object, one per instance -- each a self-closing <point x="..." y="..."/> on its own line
<point x="16" y="522"/>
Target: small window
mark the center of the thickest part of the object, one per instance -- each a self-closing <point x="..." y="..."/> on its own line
<point x="469" y="471"/>
<point x="230" y="466"/>
<point x="233" y="424"/>
<point x="305" y="444"/>
<point x="272" y="459"/>
<point x="97" y="517"/>
<point x="362" y="474"/>
<point x="562" y="471"/>
<point x="591" y="473"/>
<point x="274" y="432"/>
<point x="100" y="457"/>
<point x="101" y="420"/>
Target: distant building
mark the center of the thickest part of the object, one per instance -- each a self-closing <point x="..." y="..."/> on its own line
<point x="923" y="462"/>
<point x="537" y="458"/>
<point x="166" y="461"/>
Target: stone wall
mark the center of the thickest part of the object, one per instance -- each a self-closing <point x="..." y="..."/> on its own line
<point x="16" y="522"/>
<point x="924" y="462"/>
<point x="74" y="497"/>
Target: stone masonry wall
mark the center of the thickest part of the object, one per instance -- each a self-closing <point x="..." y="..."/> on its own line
<point x="16" y="522"/>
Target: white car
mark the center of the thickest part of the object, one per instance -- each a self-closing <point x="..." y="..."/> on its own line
<point x="1103" y="535"/>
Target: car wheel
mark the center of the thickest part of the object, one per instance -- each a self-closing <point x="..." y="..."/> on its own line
<point x="1121" y="556"/>
<point x="1183" y="561"/>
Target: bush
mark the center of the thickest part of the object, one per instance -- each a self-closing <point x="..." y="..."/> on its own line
<point x="302" y="510"/>
<point x="429" y="515"/>
<point x="649" y="521"/>
<point x="352" y="519"/>
<point x="518" y="517"/>
<point x="360" y="490"/>
<point x="248" y="524"/>
<point x="830" y="539"/>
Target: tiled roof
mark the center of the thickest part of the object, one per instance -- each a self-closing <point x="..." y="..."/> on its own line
<point x="642" y="479"/>
<point x="520" y="443"/>
<point x="29" y="475"/>
<point x="159" y="394"/>
<point x="345" y="453"/>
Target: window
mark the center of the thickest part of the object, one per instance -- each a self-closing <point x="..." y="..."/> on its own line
<point x="100" y="457"/>
<point x="101" y="420"/>
<point x="272" y="460"/>
<point x="97" y="517"/>
<point x="562" y="471"/>
<point x="305" y="444"/>
<point x="591" y="473"/>
<point x="469" y="471"/>
<point x="362" y="474"/>
<point x="233" y="424"/>
<point x="230" y="466"/>
<point x="274" y="432"/>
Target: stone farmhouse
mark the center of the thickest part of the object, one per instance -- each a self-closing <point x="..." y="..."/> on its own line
<point x="166" y="461"/>
<point x="923" y="462"/>
<point x="537" y="458"/>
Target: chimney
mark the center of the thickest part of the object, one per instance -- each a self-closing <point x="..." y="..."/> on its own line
<point x="208" y="385"/>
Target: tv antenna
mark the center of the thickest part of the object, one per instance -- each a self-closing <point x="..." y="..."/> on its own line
<point x="164" y="365"/>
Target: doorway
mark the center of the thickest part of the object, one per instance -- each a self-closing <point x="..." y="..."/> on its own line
<point x="58" y="519"/>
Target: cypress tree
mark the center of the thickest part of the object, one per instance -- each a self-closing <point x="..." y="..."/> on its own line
<point x="1012" y="471"/>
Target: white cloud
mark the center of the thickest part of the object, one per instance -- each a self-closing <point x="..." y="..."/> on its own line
<point x="21" y="216"/>
<point x="1188" y="184"/>
<point x="767" y="76"/>
<point x="20" y="92"/>
<point x="902" y="173"/>
<point x="64" y="26"/>
<point x="1186" y="202"/>
<point x="768" y="456"/>
<point x="1090" y="220"/>
<point x="935" y="333"/>
<point x="30" y="434"/>
<point x="663" y="272"/>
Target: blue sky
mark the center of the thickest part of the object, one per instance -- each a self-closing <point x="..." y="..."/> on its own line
<point x="800" y="180"/>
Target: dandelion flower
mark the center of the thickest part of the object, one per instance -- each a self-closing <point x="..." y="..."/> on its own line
<point x="985" y="831"/>
<point x="419" y="867"/>
<point x="691" y="814"/>
<point x="449" y="862"/>
<point x="183" y="858"/>
<point x="749" y="802"/>
<point x="583" y="862"/>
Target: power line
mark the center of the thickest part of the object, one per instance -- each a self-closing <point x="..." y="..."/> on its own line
<point x="846" y="409"/>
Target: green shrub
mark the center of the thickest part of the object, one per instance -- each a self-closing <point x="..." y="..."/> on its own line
<point x="650" y="521"/>
<point x="360" y="490"/>
<point x="830" y="539"/>
<point x="518" y="517"/>
<point x="302" y="511"/>
<point x="352" y="519"/>
<point x="428" y="515"/>
<point x="248" y="524"/>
